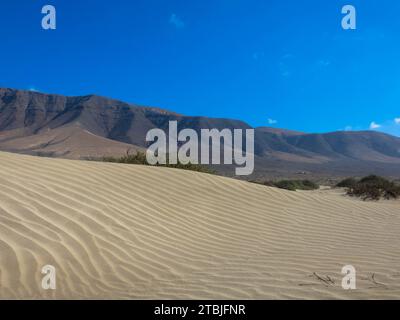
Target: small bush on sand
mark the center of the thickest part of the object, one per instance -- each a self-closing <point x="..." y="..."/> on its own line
<point x="140" y="158"/>
<point x="374" y="188"/>
<point x="294" y="185"/>
<point x="291" y="185"/>
<point x="269" y="184"/>
<point x="137" y="158"/>
<point x="347" y="183"/>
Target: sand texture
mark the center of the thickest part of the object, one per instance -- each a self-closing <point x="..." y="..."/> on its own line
<point x="126" y="231"/>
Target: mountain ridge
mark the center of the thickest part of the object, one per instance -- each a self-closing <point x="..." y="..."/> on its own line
<point x="95" y="126"/>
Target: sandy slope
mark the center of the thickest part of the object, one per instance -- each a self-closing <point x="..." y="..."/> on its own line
<point x="72" y="142"/>
<point x="125" y="231"/>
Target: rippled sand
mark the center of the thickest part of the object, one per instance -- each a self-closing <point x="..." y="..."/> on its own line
<point x="126" y="231"/>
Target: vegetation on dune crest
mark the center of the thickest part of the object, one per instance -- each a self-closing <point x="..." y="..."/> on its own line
<point x="134" y="158"/>
<point x="292" y="185"/>
<point x="371" y="188"/>
<point x="347" y="183"/>
<point x="140" y="158"/>
<point x="368" y="188"/>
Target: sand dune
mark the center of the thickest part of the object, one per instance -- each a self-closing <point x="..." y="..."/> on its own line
<point x="126" y="231"/>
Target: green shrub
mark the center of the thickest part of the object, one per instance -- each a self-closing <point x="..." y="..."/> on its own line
<point x="137" y="158"/>
<point x="309" y="185"/>
<point x="347" y="183"/>
<point x="375" y="180"/>
<point x="291" y="185"/>
<point x="294" y="185"/>
<point x="286" y="184"/>
<point x="269" y="183"/>
<point x="374" y="188"/>
<point x="140" y="158"/>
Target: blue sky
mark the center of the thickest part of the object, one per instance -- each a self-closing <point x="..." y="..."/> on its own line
<point x="282" y="63"/>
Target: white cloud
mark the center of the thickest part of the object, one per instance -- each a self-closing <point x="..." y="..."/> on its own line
<point x="374" y="125"/>
<point x="285" y="74"/>
<point x="287" y="56"/>
<point x="391" y="127"/>
<point x="258" y="55"/>
<point x="324" y="63"/>
<point x="176" y="21"/>
<point x="348" y="128"/>
<point x="286" y="65"/>
<point x="272" y="121"/>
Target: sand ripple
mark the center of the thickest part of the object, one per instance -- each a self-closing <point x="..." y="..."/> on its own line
<point x="126" y="231"/>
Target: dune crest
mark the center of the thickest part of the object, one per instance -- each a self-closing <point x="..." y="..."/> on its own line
<point x="127" y="231"/>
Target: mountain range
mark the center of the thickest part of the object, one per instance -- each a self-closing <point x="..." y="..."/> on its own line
<point x="93" y="126"/>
